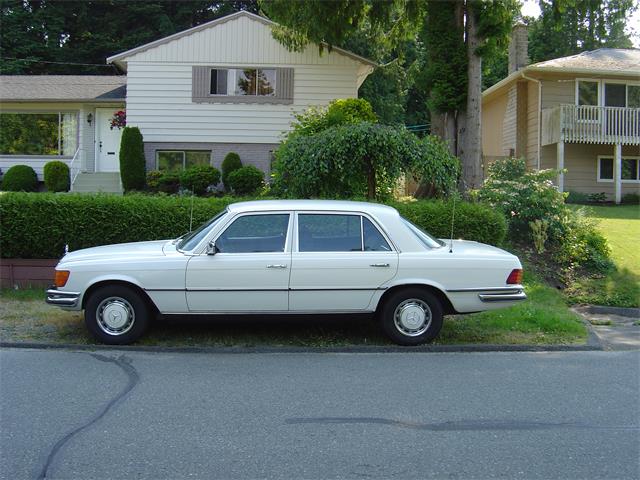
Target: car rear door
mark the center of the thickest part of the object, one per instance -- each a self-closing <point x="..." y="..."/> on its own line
<point x="339" y="261"/>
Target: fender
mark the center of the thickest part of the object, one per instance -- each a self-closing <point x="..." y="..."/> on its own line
<point x="398" y="282"/>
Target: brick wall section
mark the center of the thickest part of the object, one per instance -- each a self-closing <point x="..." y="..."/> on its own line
<point x="257" y="154"/>
<point x="518" y="48"/>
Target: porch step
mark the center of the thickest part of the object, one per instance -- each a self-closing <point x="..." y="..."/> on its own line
<point x="106" y="182"/>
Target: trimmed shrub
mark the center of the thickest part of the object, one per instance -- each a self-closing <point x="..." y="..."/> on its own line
<point x="39" y="225"/>
<point x="631" y="198"/>
<point x="153" y="180"/>
<point x="56" y="176"/>
<point x="199" y="177"/>
<point x="231" y="163"/>
<point x="246" y="180"/>
<point x="132" y="162"/>
<point x="472" y="221"/>
<point x="20" y="178"/>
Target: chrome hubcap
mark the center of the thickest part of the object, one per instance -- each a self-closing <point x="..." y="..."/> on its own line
<point x="115" y="316"/>
<point x="412" y="317"/>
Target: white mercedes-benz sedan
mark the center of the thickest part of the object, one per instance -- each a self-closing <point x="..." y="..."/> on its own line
<point x="289" y="257"/>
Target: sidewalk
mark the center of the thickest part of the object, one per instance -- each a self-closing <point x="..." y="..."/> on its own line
<point x="616" y="328"/>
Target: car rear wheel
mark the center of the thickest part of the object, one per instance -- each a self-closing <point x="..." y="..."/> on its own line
<point x="411" y="316"/>
<point x="116" y="315"/>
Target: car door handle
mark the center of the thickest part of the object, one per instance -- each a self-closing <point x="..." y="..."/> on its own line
<point x="277" y="265"/>
<point x="382" y="265"/>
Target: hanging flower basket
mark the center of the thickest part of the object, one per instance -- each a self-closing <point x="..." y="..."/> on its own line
<point x="119" y="120"/>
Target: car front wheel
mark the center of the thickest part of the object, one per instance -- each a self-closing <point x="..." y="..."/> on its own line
<point x="411" y="316"/>
<point x="116" y="315"/>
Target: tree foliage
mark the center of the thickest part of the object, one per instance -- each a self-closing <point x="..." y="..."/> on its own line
<point x="569" y="27"/>
<point x="338" y="112"/>
<point x="66" y="32"/>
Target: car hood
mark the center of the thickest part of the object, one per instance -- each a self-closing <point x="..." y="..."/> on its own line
<point x="469" y="248"/>
<point x="118" y="251"/>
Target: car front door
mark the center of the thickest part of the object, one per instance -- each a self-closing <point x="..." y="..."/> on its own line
<point x="339" y="262"/>
<point x="249" y="271"/>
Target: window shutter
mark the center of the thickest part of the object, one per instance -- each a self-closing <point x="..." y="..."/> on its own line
<point x="200" y="84"/>
<point x="284" y="85"/>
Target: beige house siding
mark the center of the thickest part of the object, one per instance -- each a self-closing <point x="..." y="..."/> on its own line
<point x="555" y="92"/>
<point x="492" y="117"/>
<point x="532" y="125"/>
<point x="509" y="122"/>
<point x="580" y="161"/>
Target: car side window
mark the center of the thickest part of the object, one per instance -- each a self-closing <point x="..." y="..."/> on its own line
<point x="329" y="233"/>
<point x="373" y="239"/>
<point x="255" y="234"/>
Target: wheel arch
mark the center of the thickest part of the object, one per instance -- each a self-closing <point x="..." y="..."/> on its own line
<point x="124" y="283"/>
<point x="447" y="306"/>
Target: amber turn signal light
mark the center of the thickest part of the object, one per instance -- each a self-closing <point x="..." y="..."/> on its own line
<point x="61" y="278"/>
<point x="515" y="277"/>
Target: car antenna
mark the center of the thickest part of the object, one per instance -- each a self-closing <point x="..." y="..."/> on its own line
<point x="453" y="216"/>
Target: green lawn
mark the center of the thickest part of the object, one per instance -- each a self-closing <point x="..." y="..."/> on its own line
<point x="543" y="319"/>
<point x="620" y="224"/>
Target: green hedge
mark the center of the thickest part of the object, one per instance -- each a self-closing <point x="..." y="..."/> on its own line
<point x="37" y="225"/>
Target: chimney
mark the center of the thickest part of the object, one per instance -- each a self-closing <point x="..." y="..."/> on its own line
<point x="518" y="48"/>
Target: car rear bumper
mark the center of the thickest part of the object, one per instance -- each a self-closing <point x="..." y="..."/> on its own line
<point x="510" y="296"/>
<point x="62" y="299"/>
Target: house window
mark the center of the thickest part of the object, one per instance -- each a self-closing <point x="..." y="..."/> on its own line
<point x="605" y="169"/>
<point x="630" y="169"/>
<point x="246" y="81"/>
<point x="587" y="92"/>
<point x="633" y="96"/>
<point x="615" y="95"/>
<point x="178" y="160"/>
<point x="54" y="133"/>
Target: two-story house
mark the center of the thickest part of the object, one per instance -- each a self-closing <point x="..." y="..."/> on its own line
<point x="226" y="85"/>
<point x="579" y="113"/>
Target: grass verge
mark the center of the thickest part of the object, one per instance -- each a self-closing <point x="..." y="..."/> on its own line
<point x="620" y="224"/>
<point x="543" y="319"/>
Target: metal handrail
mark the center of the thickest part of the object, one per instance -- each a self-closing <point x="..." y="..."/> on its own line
<point x="74" y="169"/>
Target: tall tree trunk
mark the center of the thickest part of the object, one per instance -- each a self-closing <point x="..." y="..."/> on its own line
<point x="472" y="157"/>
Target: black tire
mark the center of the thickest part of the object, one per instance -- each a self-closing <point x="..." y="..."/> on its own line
<point x="415" y="300"/>
<point x="116" y="301"/>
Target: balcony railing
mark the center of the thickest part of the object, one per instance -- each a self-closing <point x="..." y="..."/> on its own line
<point x="589" y="124"/>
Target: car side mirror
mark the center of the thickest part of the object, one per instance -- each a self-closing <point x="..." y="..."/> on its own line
<point x="211" y="248"/>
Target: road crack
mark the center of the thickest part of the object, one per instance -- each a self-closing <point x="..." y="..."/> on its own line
<point x="125" y="365"/>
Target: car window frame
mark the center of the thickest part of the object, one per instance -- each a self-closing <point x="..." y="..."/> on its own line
<point x="287" y="243"/>
<point x="376" y="224"/>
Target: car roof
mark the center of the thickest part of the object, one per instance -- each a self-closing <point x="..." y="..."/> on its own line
<point x="320" y="205"/>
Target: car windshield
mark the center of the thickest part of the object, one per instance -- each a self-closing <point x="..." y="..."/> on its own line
<point x="191" y="240"/>
<point x="426" y="239"/>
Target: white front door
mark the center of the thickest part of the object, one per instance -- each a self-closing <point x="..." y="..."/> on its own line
<point x="107" y="141"/>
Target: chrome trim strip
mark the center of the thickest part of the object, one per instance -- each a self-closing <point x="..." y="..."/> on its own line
<point x="262" y="289"/>
<point x="62" y="299"/>
<point x="502" y="297"/>
<point x="494" y="289"/>
<point x="214" y="313"/>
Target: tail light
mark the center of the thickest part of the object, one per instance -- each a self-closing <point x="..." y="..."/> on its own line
<point x="515" y="277"/>
<point x="61" y="278"/>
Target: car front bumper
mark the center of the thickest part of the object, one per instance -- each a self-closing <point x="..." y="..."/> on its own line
<point x="62" y="299"/>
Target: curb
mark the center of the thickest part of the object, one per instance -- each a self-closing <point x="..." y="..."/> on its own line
<point x="603" y="310"/>
<point x="593" y="344"/>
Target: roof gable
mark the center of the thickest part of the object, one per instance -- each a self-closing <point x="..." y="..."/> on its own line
<point x="251" y="32"/>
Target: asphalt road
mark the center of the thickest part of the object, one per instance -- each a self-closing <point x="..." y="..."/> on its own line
<point x="114" y="415"/>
